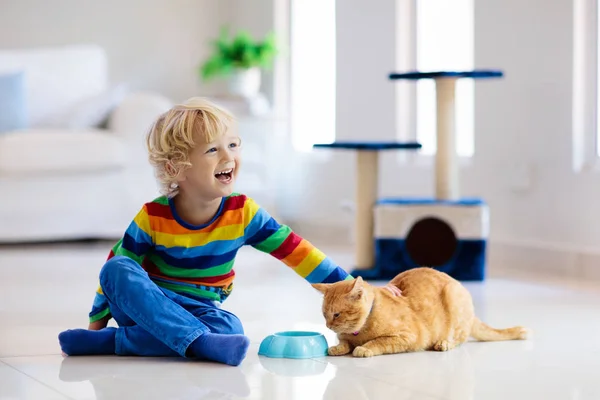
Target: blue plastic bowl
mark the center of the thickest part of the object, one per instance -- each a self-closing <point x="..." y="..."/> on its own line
<point x="294" y="344"/>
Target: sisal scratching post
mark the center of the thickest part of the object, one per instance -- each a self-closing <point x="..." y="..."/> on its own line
<point x="365" y="196"/>
<point x="446" y="165"/>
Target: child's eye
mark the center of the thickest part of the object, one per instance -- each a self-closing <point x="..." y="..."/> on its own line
<point x="233" y="145"/>
<point x="211" y="150"/>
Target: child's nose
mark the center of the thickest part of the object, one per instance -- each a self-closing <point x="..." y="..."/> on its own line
<point x="228" y="155"/>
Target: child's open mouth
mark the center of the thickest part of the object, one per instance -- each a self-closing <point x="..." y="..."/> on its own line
<point x="225" y="176"/>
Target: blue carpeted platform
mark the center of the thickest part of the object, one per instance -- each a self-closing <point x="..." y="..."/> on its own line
<point x="466" y="201"/>
<point x="375" y="146"/>
<point x="475" y="74"/>
<point x="468" y="263"/>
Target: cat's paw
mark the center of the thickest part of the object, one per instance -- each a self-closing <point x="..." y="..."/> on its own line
<point x="338" y="350"/>
<point x="442" y="345"/>
<point x="362" y="352"/>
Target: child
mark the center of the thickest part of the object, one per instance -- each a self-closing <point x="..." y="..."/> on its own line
<point x="163" y="281"/>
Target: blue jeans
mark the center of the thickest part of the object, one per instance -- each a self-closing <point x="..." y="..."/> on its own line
<point x="154" y="321"/>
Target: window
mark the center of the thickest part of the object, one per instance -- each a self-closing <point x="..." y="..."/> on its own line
<point x="586" y="70"/>
<point x="313" y="74"/>
<point x="597" y="86"/>
<point x="443" y="39"/>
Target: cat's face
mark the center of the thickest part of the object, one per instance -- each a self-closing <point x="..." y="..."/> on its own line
<point x="345" y="307"/>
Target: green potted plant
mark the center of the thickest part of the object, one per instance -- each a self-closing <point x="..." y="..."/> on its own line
<point x="240" y="58"/>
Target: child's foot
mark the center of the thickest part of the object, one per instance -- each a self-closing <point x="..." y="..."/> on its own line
<point x="79" y="342"/>
<point x="227" y="349"/>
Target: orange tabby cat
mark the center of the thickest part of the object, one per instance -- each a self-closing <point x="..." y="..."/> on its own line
<point x="434" y="312"/>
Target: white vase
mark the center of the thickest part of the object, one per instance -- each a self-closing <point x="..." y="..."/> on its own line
<point x="245" y="82"/>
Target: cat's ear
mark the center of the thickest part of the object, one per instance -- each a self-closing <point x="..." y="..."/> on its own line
<point x="358" y="289"/>
<point x="358" y="283"/>
<point x="321" y="287"/>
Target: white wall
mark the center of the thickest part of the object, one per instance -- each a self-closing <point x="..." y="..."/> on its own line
<point x="523" y="160"/>
<point x="527" y="120"/>
<point x="151" y="44"/>
<point x="523" y="122"/>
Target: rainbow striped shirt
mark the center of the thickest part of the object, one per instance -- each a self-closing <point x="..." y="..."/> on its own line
<point x="198" y="260"/>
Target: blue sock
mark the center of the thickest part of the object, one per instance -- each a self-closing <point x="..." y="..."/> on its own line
<point x="79" y="342"/>
<point x="227" y="349"/>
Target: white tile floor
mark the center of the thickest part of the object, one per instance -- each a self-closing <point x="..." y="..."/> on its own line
<point x="46" y="289"/>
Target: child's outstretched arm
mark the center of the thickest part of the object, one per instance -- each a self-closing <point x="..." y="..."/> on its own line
<point x="264" y="233"/>
<point x="134" y="244"/>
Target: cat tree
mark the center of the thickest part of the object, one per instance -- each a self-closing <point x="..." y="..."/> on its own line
<point x="445" y="232"/>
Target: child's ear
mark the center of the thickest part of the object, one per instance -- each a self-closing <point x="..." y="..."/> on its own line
<point x="172" y="171"/>
<point x="321" y="287"/>
<point x="170" y="168"/>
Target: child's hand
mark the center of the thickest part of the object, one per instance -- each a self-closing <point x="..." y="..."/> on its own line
<point x="394" y="290"/>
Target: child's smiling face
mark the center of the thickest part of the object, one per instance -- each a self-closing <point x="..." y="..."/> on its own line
<point x="215" y="166"/>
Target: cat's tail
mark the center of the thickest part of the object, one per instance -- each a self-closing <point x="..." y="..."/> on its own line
<point x="486" y="333"/>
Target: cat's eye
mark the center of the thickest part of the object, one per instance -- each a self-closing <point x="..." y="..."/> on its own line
<point x="337" y="314"/>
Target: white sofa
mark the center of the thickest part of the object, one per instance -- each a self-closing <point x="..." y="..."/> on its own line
<point x="64" y="176"/>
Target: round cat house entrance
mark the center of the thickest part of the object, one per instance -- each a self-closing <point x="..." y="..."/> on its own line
<point x="431" y="242"/>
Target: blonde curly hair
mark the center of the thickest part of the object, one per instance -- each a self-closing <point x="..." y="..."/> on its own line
<point x="174" y="134"/>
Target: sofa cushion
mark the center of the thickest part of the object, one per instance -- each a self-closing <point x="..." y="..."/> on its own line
<point x="57" y="78"/>
<point x="90" y="112"/>
<point x="13" y="107"/>
<point x="52" y="151"/>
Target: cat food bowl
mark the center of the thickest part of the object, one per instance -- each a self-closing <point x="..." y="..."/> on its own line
<point x="294" y="344"/>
